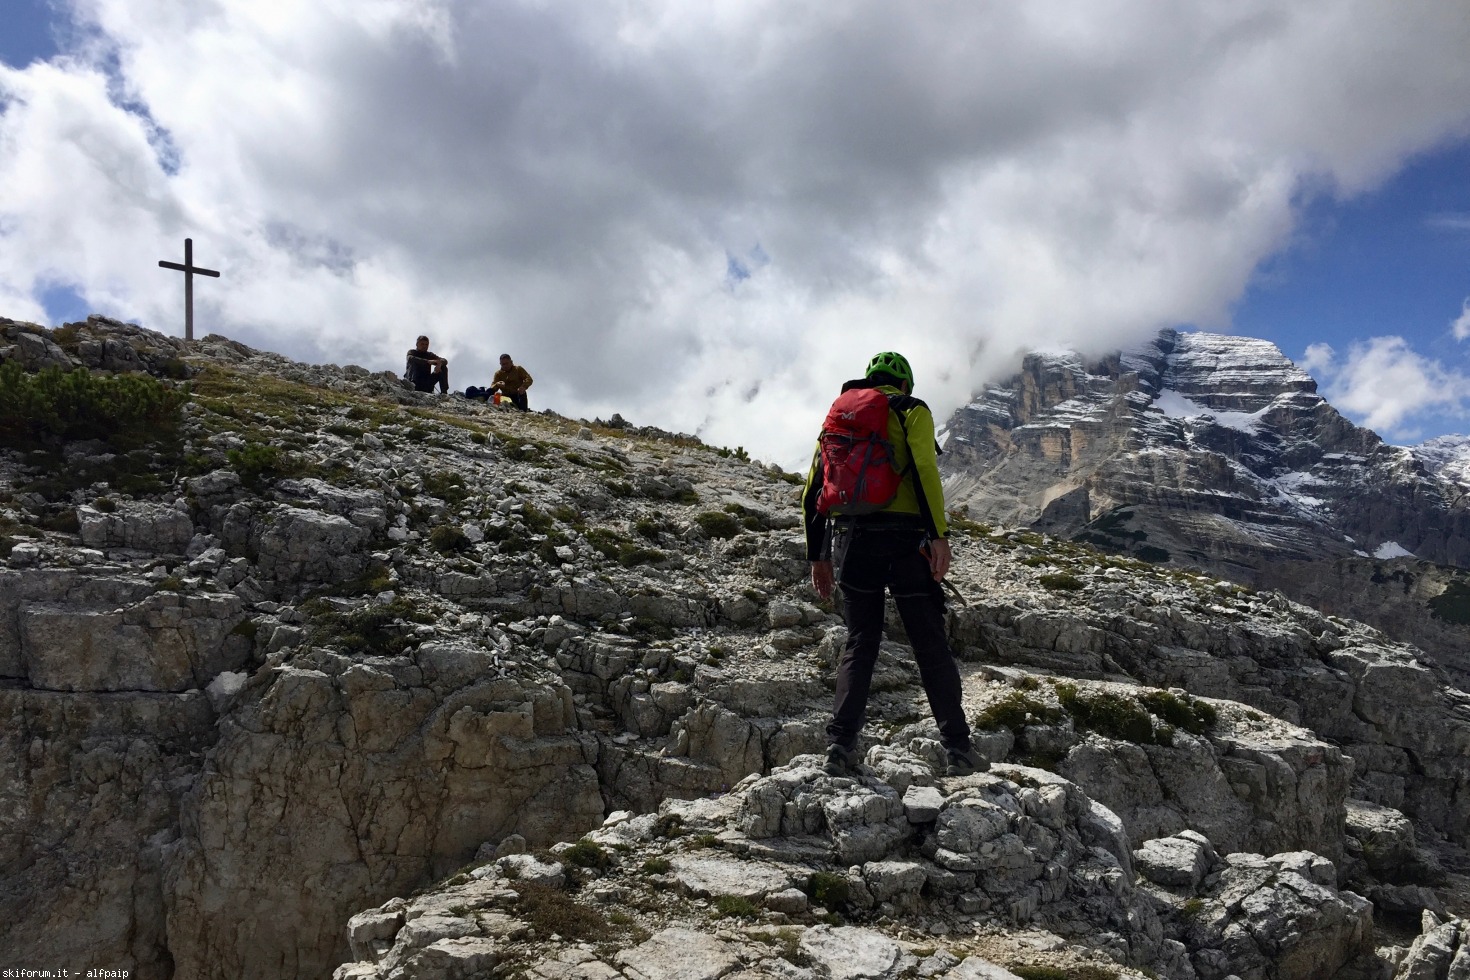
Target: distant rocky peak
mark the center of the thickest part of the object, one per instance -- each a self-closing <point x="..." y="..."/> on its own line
<point x="1216" y="371"/>
<point x="1447" y="457"/>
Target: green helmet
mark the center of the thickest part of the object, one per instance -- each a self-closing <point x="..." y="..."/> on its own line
<point x="889" y="362"/>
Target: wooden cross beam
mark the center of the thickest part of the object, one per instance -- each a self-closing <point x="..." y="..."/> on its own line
<point x="189" y="269"/>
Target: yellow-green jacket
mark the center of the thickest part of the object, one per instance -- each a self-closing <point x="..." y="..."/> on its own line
<point x="920" y="497"/>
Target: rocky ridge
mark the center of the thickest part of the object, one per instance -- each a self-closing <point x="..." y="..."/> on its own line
<point x="335" y="641"/>
<point x="1217" y="452"/>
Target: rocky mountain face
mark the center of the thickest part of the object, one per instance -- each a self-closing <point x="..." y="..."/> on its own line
<point x="1447" y="457"/>
<point x="1217" y="452"/>
<point x="330" y="678"/>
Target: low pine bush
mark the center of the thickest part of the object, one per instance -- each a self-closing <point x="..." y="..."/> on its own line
<point x="53" y="406"/>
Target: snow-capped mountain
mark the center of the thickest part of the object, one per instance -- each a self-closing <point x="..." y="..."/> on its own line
<point x="1447" y="457"/>
<point x="1204" y="450"/>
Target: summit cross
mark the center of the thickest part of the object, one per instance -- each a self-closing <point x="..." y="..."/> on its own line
<point x="189" y="269"/>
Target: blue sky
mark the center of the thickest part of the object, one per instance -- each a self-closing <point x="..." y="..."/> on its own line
<point x="1392" y="262"/>
<point x="590" y="189"/>
<point x="26" y="34"/>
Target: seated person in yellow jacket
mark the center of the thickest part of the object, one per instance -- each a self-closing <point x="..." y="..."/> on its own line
<point x="512" y="380"/>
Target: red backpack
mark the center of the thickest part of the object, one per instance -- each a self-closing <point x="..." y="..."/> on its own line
<point x="859" y="475"/>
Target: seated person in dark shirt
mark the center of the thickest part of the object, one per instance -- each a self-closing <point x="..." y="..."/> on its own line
<point x="425" y="369"/>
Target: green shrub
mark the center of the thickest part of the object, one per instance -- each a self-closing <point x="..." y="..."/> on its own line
<point x="1061" y="581"/>
<point x="787" y="943"/>
<point x="54" y="406"/>
<point x="829" y="889"/>
<point x="717" y="524"/>
<point x="448" y="540"/>
<point x="65" y="521"/>
<point x="650" y="528"/>
<point x="68" y="337"/>
<point x="657" y="866"/>
<point x="511" y="539"/>
<point x="373" y="629"/>
<point x="104" y="504"/>
<point x="259" y="462"/>
<point x="607" y="542"/>
<point x="537" y="519"/>
<point x="736" y="907"/>
<point x="447" y="486"/>
<point x="550" y="911"/>
<point x="622" y="549"/>
<point x="958" y="522"/>
<point x="247" y="628"/>
<point x="1028" y="972"/>
<point x="640" y="556"/>
<point x="668" y="825"/>
<point x="1083" y="972"/>
<point x="1191" y="714"/>
<point x="1015" y="710"/>
<point x="1110" y="715"/>
<point x="587" y="854"/>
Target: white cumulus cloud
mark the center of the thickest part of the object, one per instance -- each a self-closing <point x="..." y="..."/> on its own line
<point x="568" y="182"/>
<point x="1384" y="384"/>
<point x="1461" y="326"/>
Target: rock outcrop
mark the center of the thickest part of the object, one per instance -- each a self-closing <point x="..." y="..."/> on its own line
<point x="752" y="880"/>
<point x="329" y="642"/>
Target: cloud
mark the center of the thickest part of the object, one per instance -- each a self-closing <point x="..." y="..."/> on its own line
<point x="1385" y="385"/>
<point x="581" y="184"/>
<point x="1461" y="327"/>
<point x="1449" y="221"/>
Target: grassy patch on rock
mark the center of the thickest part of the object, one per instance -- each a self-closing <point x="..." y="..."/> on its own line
<point x="718" y="524"/>
<point x="1015" y="710"/>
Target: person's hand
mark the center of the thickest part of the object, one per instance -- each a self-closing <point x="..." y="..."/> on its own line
<point x="822" y="578"/>
<point x="939" y="557"/>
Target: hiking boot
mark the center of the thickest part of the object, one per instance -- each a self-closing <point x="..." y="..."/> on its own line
<point x="964" y="762"/>
<point x="841" y="761"/>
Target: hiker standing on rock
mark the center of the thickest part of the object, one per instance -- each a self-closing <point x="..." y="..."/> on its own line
<point x="512" y="380"/>
<point x="875" y="477"/>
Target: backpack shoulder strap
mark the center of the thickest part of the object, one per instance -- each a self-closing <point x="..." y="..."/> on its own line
<point x="901" y="406"/>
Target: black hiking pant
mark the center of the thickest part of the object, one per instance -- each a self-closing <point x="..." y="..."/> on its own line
<point x="871" y="561"/>
<point x="426" y="380"/>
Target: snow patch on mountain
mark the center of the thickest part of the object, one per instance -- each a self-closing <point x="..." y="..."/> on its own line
<point x="1176" y="405"/>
